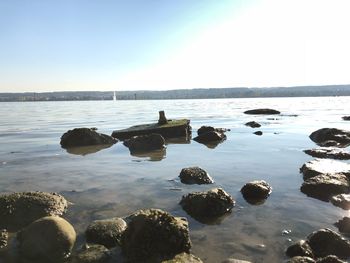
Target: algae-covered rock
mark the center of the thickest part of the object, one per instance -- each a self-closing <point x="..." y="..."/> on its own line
<point x="91" y="254"/>
<point x="262" y="112"/>
<point x="106" y="232"/>
<point x="212" y="203"/>
<point x="184" y="258"/>
<point x="326" y="242"/>
<point x="50" y="238"/>
<point x="20" y="209"/>
<point x="331" y="137"/>
<point x="85" y="137"/>
<point x="144" y="143"/>
<point x="154" y="235"/>
<point x="195" y="175"/>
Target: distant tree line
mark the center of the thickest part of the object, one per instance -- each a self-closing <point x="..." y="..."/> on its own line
<point x="301" y="91"/>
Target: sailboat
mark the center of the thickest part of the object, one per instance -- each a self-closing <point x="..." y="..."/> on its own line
<point x="114" y="96"/>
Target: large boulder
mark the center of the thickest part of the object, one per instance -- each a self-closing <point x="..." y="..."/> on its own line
<point x="324" y="166"/>
<point x="301" y="248"/>
<point x="195" y="175"/>
<point x="154" y="235"/>
<point x="184" y="258"/>
<point x="262" y="112"/>
<point x="213" y="203"/>
<point x="326" y="242"/>
<point x="256" y="191"/>
<point x="145" y="143"/>
<point x="20" y="209"/>
<point x="325" y="186"/>
<point x="342" y="201"/>
<point x="343" y="225"/>
<point x="332" y="153"/>
<point x="91" y="254"/>
<point x="85" y="137"/>
<point x="331" y="137"/>
<point x="48" y="239"/>
<point x="106" y="232"/>
<point x="253" y="124"/>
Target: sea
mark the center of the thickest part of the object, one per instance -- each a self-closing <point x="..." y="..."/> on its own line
<point x="109" y="182"/>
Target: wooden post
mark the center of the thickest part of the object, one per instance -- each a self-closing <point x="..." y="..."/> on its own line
<point x="162" y="118"/>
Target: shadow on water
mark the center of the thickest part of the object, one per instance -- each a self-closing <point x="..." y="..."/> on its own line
<point x="213" y="144"/>
<point x="85" y="150"/>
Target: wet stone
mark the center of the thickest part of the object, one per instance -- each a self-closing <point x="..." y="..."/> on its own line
<point x="106" y="232"/>
<point x="253" y="124"/>
<point x="330" y="259"/>
<point x="331" y="153"/>
<point x="331" y="137"/>
<point x="326" y="242"/>
<point x="255" y="191"/>
<point x="144" y="143"/>
<point x="91" y="254"/>
<point x="233" y="260"/>
<point x="299" y="259"/>
<point x="20" y="209"/>
<point x="301" y="248"/>
<point x="325" y="186"/>
<point x="343" y="225"/>
<point x="184" y="258"/>
<point x="342" y="201"/>
<point x="195" y="175"/>
<point x="259" y="133"/>
<point x="324" y="166"/>
<point x="212" y="203"/>
<point x="154" y="235"/>
<point x="262" y="111"/>
<point x="209" y="137"/>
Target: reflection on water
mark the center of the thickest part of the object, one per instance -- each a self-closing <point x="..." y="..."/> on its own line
<point x="156" y="155"/>
<point x="109" y="183"/>
<point x="84" y="150"/>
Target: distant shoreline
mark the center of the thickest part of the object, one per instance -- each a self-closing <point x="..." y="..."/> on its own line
<point x="213" y="93"/>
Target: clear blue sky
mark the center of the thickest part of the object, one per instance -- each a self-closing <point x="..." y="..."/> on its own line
<point x="160" y="44"/>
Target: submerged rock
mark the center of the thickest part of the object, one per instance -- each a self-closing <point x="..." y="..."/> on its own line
<point x="342" y="201"/>
<point x="262" y="111"/>
<point x="324" y="166"/>
<point x="326" y="242"/>
<point x="212" y="203"/>
<point x="195" y="175"/>
<point x="154" y="235"/>
<point x="253" y="124"/>
<point x="49" y="239"/>
<point x="20" y="209"/>
<point x="106" y="232"/>
<point x="144" y="143"/>
<point x="343" y="225"/>
<point x="259" y="133"/>
<point x="92" y="254"/>
<point x="325" y="186"/>
<point x="85" y="137"/>
<point x="210" y="137"/>
<point x="301" y="248"/>
<point x="331" y="137"/>
<point x="255" y="191"/>
<point x="333" y="153"/>
<point x="3" y="238"/>
<point x="330" y="259"/>
<point x="299" y="259"/>
<point x="184" y="258"/>
<point x="346" y="118"/>
<point x="205" y="129"/>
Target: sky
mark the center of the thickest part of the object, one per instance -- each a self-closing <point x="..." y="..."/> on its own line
<point x="66" y="45"/>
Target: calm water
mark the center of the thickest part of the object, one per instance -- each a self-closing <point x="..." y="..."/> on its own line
<point x="112" y="183"/>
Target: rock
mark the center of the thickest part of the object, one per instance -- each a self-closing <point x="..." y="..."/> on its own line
<point x="172" y="129"/>
<point x="154" y="235"/>
<point x="343" y="225"/>
<point x="346" y="118"/>
<point x="209" y="137"/>
<point x="4" y="235"/>
<point x="162" y="119"/>
<point x="232" y="260"/>
<point x="332" y="153"/>
<point x="106" y="232"/>
<point x="212" y="203"/>
<point x="50" y="238"/>
<point x="325" y="186"/>
<point x="195" y="175"/>
<point x="253" y="192"/>
<point x="301" y="260"/>
<point x="324" y="166"/>
<point x="205" y="129"/>
<point x="259" y="133"/>
<point x="342" y="201"/>
<point x="301" y="248"/>
<point x="262" y="111"/>
<point x="253" y="124"/>
<point x="20" y="209"/>
<point x="184" y="258"/>
<point x="91" y="254"/>
<point x="145" y="143"/>
<point x="331" y="137"/>
<point x="326" y="242"/>
<point x="330" y="259"/>
<point x="85" y="137"/>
